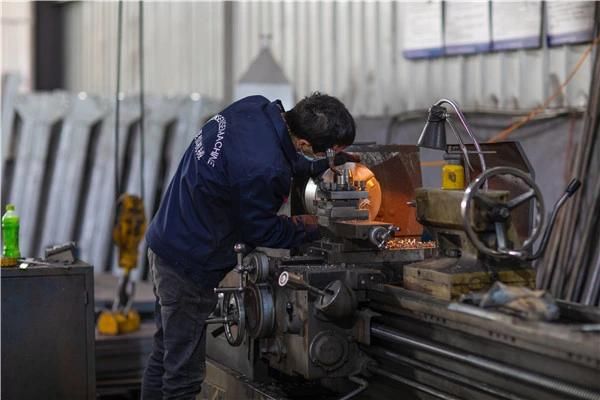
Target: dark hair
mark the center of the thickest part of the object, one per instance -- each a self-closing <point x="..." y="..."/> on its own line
<point x="323" y="121"/>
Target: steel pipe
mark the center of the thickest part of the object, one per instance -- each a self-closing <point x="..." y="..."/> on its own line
<point x="452" y="376"/>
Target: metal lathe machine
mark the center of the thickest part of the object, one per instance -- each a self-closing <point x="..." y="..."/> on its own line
<point x="415" y="292"/>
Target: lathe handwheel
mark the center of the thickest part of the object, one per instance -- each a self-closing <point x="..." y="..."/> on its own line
<point x="235" y="318"/>
<point x="259" y="306"/>
<point x="500" y="212"/>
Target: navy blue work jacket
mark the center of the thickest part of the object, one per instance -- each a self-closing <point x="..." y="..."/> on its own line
<point x="229" y="185"/>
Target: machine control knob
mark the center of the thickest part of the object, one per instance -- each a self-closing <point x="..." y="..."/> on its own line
<point x="340" y="303"/>
<point x="239" y="248"/>
<point x="329" y="350"/>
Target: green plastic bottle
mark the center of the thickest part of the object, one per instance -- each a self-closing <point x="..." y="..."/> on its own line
<point x="10" y="233"/>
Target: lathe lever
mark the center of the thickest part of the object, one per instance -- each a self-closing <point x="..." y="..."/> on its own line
<point x="296" y="281"/>
<point x="228" y="289"/>
<point x="571" y="189"/>
<point x="240" y="250"/>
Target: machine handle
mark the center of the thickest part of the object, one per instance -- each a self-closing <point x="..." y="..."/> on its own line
<point x="388" y="236"/>
<point x="228" y="289"/>
<point x="240" y="250"/>
<point x="573" y="186"/>
<point x="296" y="281"/>
<point x="219" y="331"/>
<point x="380" y="236"/>
<point x="215" y="321"/>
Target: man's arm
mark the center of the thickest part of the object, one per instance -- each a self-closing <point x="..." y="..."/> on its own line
<point x="259" y="199"/>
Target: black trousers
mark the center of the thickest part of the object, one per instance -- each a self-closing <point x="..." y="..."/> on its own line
<point x="176" y="367"/>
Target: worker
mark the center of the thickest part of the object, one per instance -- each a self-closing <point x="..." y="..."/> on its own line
<point x="230" y="184"/>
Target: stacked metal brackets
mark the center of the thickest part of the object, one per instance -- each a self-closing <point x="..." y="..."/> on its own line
<point x="58" y="163"/>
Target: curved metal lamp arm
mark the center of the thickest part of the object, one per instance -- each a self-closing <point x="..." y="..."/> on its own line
<point x="463" y="121"/>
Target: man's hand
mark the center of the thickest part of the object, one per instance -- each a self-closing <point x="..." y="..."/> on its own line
<point x="305" y="219"/>
<point x="311" y="226"/>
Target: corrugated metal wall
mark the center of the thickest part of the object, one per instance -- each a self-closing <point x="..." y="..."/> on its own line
<point x="183" y="47"/>
<point x="349" y="49"/>
<point x="17" y="42"/>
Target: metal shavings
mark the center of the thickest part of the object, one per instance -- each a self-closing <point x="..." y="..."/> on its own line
<point x="410" y="243"/>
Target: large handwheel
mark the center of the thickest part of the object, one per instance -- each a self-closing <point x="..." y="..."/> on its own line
<point x="499" y="212"/>
<point x="259" y="305"/>
<point x="235" y="318"/>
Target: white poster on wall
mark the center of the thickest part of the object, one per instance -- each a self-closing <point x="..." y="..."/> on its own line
<point x="423" y="30"/>
<point x="516" y="25"/>
<point x="570" y="22"/>
<point x="467" y="27"/>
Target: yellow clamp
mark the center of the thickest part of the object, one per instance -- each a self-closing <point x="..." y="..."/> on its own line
<point x="129" y="229"/>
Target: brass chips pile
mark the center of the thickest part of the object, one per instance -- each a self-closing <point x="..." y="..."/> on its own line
<point x="410" y="243"/>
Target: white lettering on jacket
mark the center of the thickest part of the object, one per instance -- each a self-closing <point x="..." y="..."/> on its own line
<point x="198" y="146"/>
<point x="214" y="154"/>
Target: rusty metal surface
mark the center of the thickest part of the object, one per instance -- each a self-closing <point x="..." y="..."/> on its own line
<point x="397" y="168"/>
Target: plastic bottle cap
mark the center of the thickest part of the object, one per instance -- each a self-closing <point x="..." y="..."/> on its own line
<point x="10" y="207"/>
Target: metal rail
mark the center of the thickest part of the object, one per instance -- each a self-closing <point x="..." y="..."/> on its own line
<point x="451" y="376"/>
<point x="394" y="336"/>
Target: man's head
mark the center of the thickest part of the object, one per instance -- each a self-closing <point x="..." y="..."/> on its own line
<point x="320" y="122"/>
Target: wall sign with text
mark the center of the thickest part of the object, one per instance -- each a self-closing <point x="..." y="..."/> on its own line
<point x="423" y="30"/>
<point x="516" y="25"/>
<point x="467" y="28"/>
<point x="570" y="22"/>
